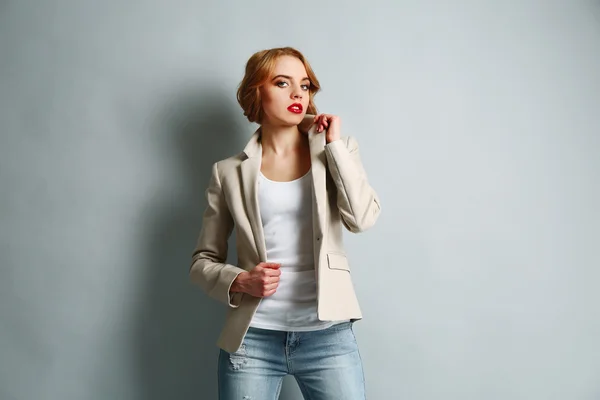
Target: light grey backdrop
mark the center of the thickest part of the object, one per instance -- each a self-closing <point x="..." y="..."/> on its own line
<point x="479" y="127"/>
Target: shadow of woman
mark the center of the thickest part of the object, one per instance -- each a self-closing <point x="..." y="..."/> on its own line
<point x="177" y="325"/>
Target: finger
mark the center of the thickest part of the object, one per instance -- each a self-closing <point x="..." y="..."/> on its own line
<point x="270" y="282"/>
<point x="271" y="265"/>
<point x="272" y="271"/>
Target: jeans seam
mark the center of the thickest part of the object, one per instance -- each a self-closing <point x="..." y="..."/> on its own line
<point x="364" y="382"/>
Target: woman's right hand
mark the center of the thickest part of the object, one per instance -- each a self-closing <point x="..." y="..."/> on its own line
<point x="260" y="281"/>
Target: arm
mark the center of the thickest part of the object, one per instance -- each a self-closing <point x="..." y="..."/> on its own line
<point x="357" y="201"/>
<point x="208" y="269"/>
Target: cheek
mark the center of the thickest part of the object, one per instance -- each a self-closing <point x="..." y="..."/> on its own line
<point x="267" y="105"/>
<point x="272" y="101"/>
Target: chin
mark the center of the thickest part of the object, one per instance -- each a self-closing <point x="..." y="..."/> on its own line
<point x="294" y="119"/>
<point x="287" y="119"/>
<point x="299" y="117"/>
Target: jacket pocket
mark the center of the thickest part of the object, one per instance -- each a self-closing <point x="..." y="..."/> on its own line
<point x="338" y="261"/>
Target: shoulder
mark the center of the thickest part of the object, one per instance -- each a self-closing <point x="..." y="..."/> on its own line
<point x="225" y="167"/>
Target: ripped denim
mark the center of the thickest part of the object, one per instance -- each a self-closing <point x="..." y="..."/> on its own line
<point x="326" y="364"/>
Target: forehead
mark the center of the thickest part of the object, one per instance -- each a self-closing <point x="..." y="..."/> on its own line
<point x="288" y="65"/>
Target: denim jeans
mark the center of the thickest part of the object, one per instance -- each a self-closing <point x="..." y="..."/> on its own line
<point x="326" y="364"/>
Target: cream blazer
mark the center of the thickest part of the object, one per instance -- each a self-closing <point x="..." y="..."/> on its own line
<point x="342" y="196"/>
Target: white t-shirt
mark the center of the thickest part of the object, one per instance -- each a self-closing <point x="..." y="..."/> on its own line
<point x="286" y="214"/>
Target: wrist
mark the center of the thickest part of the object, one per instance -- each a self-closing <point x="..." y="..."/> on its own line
<point x="238" y="282"/>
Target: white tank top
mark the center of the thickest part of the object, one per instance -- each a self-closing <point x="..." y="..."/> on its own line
<point x="286" y="214"/>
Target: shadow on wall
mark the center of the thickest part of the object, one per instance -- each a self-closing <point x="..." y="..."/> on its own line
<point x="177" y="325"/>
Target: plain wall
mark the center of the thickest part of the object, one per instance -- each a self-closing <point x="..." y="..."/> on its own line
<point x="479" y="128"/>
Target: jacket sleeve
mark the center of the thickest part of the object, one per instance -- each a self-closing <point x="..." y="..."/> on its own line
<point x="208" y="269"/>
<point x="357" y="201"/>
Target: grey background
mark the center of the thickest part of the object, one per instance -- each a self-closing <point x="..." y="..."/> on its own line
<point x="479" y="128"/>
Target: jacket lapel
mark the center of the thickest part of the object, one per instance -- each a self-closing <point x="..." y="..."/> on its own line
<point x="318" y="164"/>
<point x="250" y="169"/>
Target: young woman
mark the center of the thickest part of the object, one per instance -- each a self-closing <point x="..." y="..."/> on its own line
<point x="290" y="299"/>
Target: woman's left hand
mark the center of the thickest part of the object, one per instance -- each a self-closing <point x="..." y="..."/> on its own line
<point x="330" y="122"/>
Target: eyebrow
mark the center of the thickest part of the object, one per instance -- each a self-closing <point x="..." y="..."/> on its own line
<point x="290" y="78"/>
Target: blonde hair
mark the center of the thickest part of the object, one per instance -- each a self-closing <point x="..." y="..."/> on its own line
<point x="258" y="70"/>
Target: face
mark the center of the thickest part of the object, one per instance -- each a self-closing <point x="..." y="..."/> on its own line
<point x="285" y="96"/>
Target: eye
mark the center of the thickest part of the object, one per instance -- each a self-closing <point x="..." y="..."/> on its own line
<point x="306" y="87"/>
<point x="281" y="83"/>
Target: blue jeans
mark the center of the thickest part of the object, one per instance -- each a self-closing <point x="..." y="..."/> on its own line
<point x="325" y="363"/>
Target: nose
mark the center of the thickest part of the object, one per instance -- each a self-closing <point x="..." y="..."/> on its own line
<point x="297" y="93"/>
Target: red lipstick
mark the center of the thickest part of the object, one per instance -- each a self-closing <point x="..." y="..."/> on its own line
<point x="296" y="108"/>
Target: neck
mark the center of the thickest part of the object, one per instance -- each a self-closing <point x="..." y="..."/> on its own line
<point x="281" y="140"/>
